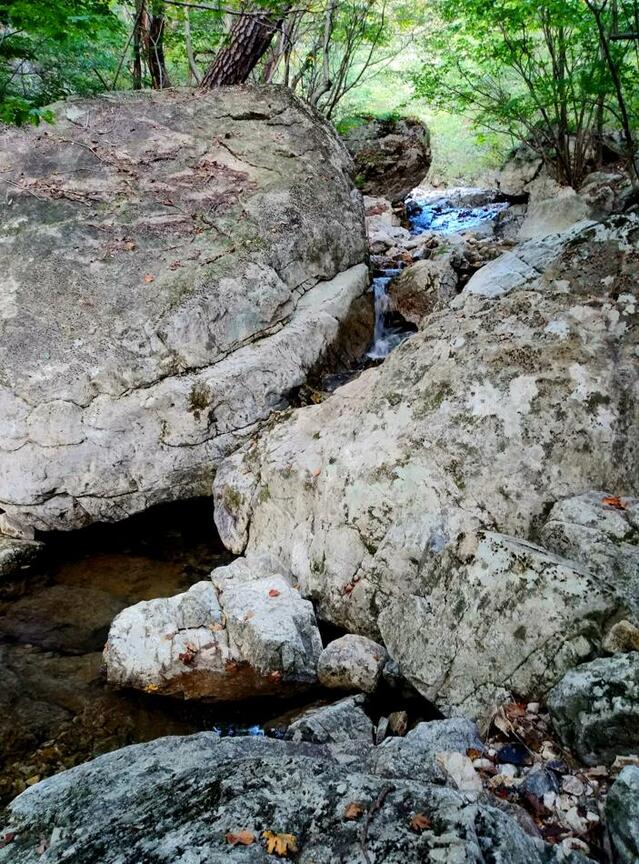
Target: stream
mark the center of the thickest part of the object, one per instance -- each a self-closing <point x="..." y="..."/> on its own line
<point x="431" y="212"/>
<point x="56" y="709"/>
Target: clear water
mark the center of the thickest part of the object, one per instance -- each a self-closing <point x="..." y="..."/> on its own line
<point x="439" y="217"/>
<point x="453" y="220"/>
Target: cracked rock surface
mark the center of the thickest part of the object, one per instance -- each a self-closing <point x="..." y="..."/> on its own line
<point x="172" y="265"/>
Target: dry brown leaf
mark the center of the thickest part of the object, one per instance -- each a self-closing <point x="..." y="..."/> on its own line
<point x="273" y="592"/>
<point x="501" y="722"/>
<point x="613" y="501"/>
<point x="280" y="844"/>
<point x="353" y="810"/>
<point x="149" y="277"/>
<point x="473" y="753"/>
<point x="420" y="822"/>
<point x="240" y="838"/>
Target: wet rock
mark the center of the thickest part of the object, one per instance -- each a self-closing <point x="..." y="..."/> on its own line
<point x="16" y="555"/>
<point x="470" y="644"/>
<point x="342" y="721"/>
<point x="422" y="288"/>
<point x="512" y="398"/>
<point x="246" y="632"/>
<point x="62" y="618"/>
<point x="391" y="155"/>
<point x="601" y="530"/>
<point x="622" y="811"/>
<point x="352" y="663"/>
<point x="595" y="708"/>
<point x="178" y="799"/>
<point x="165" y="286"/>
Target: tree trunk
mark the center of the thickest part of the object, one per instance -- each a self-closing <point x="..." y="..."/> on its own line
<point x="155" y="48"/>
<point x="138" y="42"/>
<point x="249" y="38"/>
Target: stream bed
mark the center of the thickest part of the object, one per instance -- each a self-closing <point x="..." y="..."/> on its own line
<point x="56" y="709"/>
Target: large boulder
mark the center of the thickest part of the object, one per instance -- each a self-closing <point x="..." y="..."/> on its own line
<point x="172" y="265"/>
<point x="247" y="632"/>
<point x="523" y="391"/>
<point x="205" y="799"/>
<point x="595" y="708"/>
<point x="392" y="155"/>
<point x="511" y="622"/>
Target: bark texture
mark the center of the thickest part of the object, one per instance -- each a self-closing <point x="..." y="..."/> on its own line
<point x="249" y="39"/>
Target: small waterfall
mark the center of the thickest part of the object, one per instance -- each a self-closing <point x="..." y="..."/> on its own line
<point x="386" y="335"/>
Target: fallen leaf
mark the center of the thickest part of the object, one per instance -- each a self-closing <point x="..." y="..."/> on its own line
<point x="149" y="277"/>
<point x="8" y="838"/>
<point x="273" y="592"/>
<point x="473" y="753"/>
<point x="501" y="722"/>
<point x="420" y="822"/>
<point x="614" y="501"/>
<point x="353" y="810"/>
<point x="151" y="688"/>
<point x="240" y="838"/>
<point x="279" y="844"/>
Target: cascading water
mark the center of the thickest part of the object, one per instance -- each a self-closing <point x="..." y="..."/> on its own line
<point x="434" y="213"/>
<point x="385" y="336"/>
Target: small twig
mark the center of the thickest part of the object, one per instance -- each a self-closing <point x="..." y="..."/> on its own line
<point x="370" y="815"/>
<point x="21" y="188"/>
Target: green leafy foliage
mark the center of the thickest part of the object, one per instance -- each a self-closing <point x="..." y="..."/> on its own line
<point x="531" y="69"/>
<point x="51" y="49"/>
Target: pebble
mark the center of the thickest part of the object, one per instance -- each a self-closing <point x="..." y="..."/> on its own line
<point x="575" y="822"/>
<point x="533" y="707"/>
<point x="398" y="723"/>
<point x="572" y="785"/>
<point x="485" y="765"/>
<point x="540" y="781"/>
<point x="507" y="770"/>
<point x="550" y="800"/>
<point x="574" y="844"/>
<point x="514" y="754"/>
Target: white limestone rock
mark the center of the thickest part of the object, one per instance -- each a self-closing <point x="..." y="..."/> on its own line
<point x="247" y="632"/>
<point x="352" y="663"/>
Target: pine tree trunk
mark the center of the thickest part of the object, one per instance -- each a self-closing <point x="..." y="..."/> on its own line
<point x="249" y="38"/>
